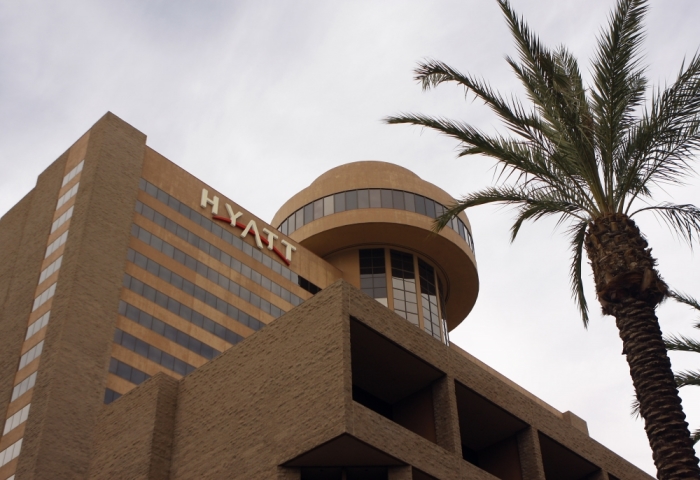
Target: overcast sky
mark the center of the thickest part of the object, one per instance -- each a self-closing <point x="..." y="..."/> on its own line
<point x="258" y="98"/>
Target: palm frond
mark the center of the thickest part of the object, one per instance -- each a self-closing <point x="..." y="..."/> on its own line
<point x="685" y="299"/>
<point x="686" y="378"/>
<point x="682" y="343"/>
<point x="683" y="219"/>
<point x="431" y="73"/>
<point x="660" y="147"/>
<point x="619" y="83"/>
<point x="578" y="234"/>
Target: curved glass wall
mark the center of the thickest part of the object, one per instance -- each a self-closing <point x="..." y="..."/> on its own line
<point x="372" y="198"/>
<point x="415" y="293"/>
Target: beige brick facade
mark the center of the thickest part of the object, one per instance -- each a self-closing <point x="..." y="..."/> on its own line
<point x="164" y="341"/>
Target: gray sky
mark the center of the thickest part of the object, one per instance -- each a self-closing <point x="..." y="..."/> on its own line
<point x="258" y="98"/>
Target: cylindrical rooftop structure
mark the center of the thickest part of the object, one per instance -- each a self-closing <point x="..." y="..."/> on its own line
<point x="373" y="221"/>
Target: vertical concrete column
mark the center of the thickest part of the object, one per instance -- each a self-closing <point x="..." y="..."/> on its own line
<point x="401" y="473"/>
<point x="69" y="390"/>
<point x="446" y="418"/>
<point x="530" y="455"/>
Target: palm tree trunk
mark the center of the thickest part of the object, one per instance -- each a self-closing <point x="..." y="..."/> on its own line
<point x="629" y="288"/>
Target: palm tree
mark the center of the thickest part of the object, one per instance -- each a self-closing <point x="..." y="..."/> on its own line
<point x="590" y="155"/>
<point x="681" y="343"/>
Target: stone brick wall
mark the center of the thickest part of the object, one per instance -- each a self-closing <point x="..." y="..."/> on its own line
<point x="133" y="436"/>
<point x="70" y="384"/>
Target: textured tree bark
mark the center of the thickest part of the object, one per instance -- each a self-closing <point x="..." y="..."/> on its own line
<point x="629" y="288"/>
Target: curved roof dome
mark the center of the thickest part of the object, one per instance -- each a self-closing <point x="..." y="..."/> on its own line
<point x="399" y="224"/>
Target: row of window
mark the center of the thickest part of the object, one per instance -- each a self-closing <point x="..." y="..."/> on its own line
<point x="223" y="257"/>
<point x="67" y="196"/>
<point x="111" y="395"/>
<point x="127" y="372"/>
<point x="73" y="173"/>
<point x="51" y="269"/>
<point x="152" y="353"/>
<point x="407" y="282"/>
<point x="30" y="355"/>
<point x="44" y="296"/>
<point x="10" y="453"/>
<point x="196" y="291"/>
<point x="223" y="281"/>
<point x="56" y="244"/>
<point x="182" y="311"/>
<point x="371" y="198"/>
<point x="37" y="325"/>
<point x="226" y="236"/>
<point x="65" y="216"/>
<point x="17" y="419"/>
<point x="171" y="333"/>
<point x="22" y="387"/>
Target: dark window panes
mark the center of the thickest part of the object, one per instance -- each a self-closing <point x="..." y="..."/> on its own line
<point x="165" y="274"/>
<point x="247" y="249"/>
<point x="292" y="224"/>
<point x="190" y="263"/>
<point x="199" y="293"/>
<point x="137" y="286"/>
<point x="387" y="201"/>
<point x="375" y="199"/>
<point x="162" y="196"/>
<point x="430" y="208"/>
<point x="397" y="199"/>
<point x="169" y="332"/>
<point x="328" y="205"/>
<point x="168" y="361"/>
<point x="142" y="349"/>
<point x="161" y="300"/>
<point x="155" y="355"/>
<point x="197" y="319"/>
<point x="267" y="261"/>
<point x="138" y="377"/>
<point x="188" y="287"/>
<point x="409" y="201"/>
<point x="113" y="364"/>
<point x="362" y="198"/>
<point x="300" y="218"/>
<point x="256" y="277"/>
<point x="420" y="204"/>
<point x="318" y="209"/>
<point x="210" y="299"/>
<point x="351" y="200"/>
<point x="176" y="280"/>
<point x="151" y="189"/>
<point x="182" y="339"/>
<point x="123" y="370"/>
<point x="146" y="320"/>
<point x="339" y="200"/>
<point x="168" y="249"/>
<point x="208" y="324"/>
<point x="159" y="219"/>
<point x="439" y="210"/>
<point x="149" y="293"/>
<point x="180" y="367"/>
<point x="308" y="213"/>
<point x="283" y="227"/>
<point x="174" y="306"/>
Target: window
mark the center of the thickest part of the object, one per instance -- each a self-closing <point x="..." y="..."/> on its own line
<point x="110" y="396"/>
<point x="429" y="299"/>
<point x="403" y="283"/>
<point x="162" y="328"/>
<point x="127" y="372"/>
<point x="44" y="296"/>
<point x="65" y="216"/>
<point x="372" y="198"/>
<point x="22" y="387"/>
<point x="30" y="355"/>
<point x="10" y="453"/>
<point x="37" y="325"/>
<point x="17" y="419"/>
<point x="67" y="196"/>
<point x="73" y="173"/>
<point x="142" y="348"/>
<point x="373" y="274"/>
<point x="56" y="244"/>
<point x="51" y="269"/>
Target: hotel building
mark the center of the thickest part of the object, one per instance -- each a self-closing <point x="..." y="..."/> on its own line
<point x="152" y="328"/>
